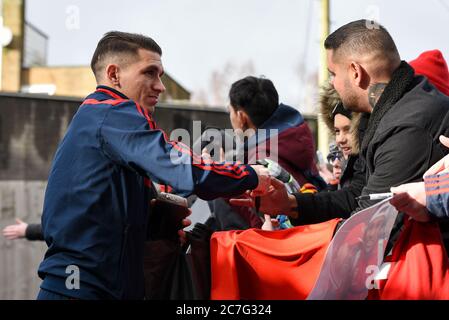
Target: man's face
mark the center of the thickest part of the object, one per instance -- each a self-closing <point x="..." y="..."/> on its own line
<point x="141" y="80"/>
<point x="340" y="79"/>
<point x="336" y="168"/>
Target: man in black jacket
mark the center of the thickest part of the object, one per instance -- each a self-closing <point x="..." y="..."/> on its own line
<point x="402" y="117"/>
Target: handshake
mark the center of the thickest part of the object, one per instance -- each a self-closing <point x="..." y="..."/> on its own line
<point x="270" y="196"/>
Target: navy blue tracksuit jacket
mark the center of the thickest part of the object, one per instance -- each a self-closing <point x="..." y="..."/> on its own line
<point x="97" y="200"/>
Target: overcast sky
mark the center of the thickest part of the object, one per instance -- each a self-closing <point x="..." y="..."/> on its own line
<point x="279" y="37"/>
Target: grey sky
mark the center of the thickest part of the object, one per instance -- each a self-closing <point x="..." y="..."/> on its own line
<point x="200" y="36"/>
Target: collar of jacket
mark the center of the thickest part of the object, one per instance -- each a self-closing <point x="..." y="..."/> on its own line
<point x="283" y="118"/>
<point x="399" y="84"/>
<point x="111" y="92"/>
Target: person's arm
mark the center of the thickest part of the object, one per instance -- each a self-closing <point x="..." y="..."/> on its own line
<point x="397" y="160"/>
<point x="306" y="208"/>
<point x="131" y="139"/>
<point x="437" y="195"/>
<point x="423" y="200"/>
<point x="34" y="232"/>
<point x="323" y="206"/>
<point x="402" y="157"/>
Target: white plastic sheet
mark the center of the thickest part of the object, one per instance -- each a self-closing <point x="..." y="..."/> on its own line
<point x="355" y="255"/>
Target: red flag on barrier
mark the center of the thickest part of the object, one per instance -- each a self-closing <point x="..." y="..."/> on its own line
<point x="259" y="264"/>
<point x="419" y="265"/>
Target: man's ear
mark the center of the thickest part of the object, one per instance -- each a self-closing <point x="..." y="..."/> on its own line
<point x="358" y="75"/>
<point x="245" y="120"/>
<point x="240" y="115"/>
<point x="113" y="74"/>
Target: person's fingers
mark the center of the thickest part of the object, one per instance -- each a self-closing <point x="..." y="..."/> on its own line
<point x="436" y="168"/>
<point x="10" y="235"/>
<point x="400" y="199"/>
<point x="397" y="189"/>
<point x="277" y="184"/>
<point x="182" y="236"/>
<point x="275" y="223"/>
<point x="222" y="155"/>
<point x="444" y="140"/>
<point x="186" y="222"/>
<point x="242" y="202"/>
<point x="11" y="229"/>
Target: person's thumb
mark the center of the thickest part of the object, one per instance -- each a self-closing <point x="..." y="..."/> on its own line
<point x="18" y="221"/>
<point x="444" y="140"/>
<point x="277" y="184"/>
<point x="398" y="189"/>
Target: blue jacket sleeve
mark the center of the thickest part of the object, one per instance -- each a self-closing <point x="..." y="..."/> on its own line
<point x="437" y="195"/>
<point x="129" y="137"/>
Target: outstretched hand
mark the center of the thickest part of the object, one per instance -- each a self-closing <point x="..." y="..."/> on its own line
<point x="264" y="180"/>
<point x="15" y="231"/>
<point x="276" y="201"/>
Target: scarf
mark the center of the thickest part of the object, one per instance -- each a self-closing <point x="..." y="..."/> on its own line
<point x="399" y="84"/>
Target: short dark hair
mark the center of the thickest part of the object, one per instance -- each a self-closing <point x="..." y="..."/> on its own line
<point x="117" y="42"/>
<point x="363" y="36"/>
<point x="256" y="96"/>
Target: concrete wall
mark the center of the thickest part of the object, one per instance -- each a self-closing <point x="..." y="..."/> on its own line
<point x="19" y="259"/>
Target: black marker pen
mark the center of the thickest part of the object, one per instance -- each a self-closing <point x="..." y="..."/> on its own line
<point x="375" y="196"/>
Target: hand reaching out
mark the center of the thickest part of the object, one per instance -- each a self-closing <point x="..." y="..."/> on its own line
<point x="264" y="180"/>
<point x="410" y="198"/>
<point x="276" y="201"/>
<point x="15" y="231"/>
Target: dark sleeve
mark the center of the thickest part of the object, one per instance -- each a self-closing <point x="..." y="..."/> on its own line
<point x="323" y="206"/>
<point x="34" y="232"/>
<point x="402" y="156"/>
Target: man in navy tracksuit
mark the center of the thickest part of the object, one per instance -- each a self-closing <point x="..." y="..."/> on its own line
<point x="98" y="197"/>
